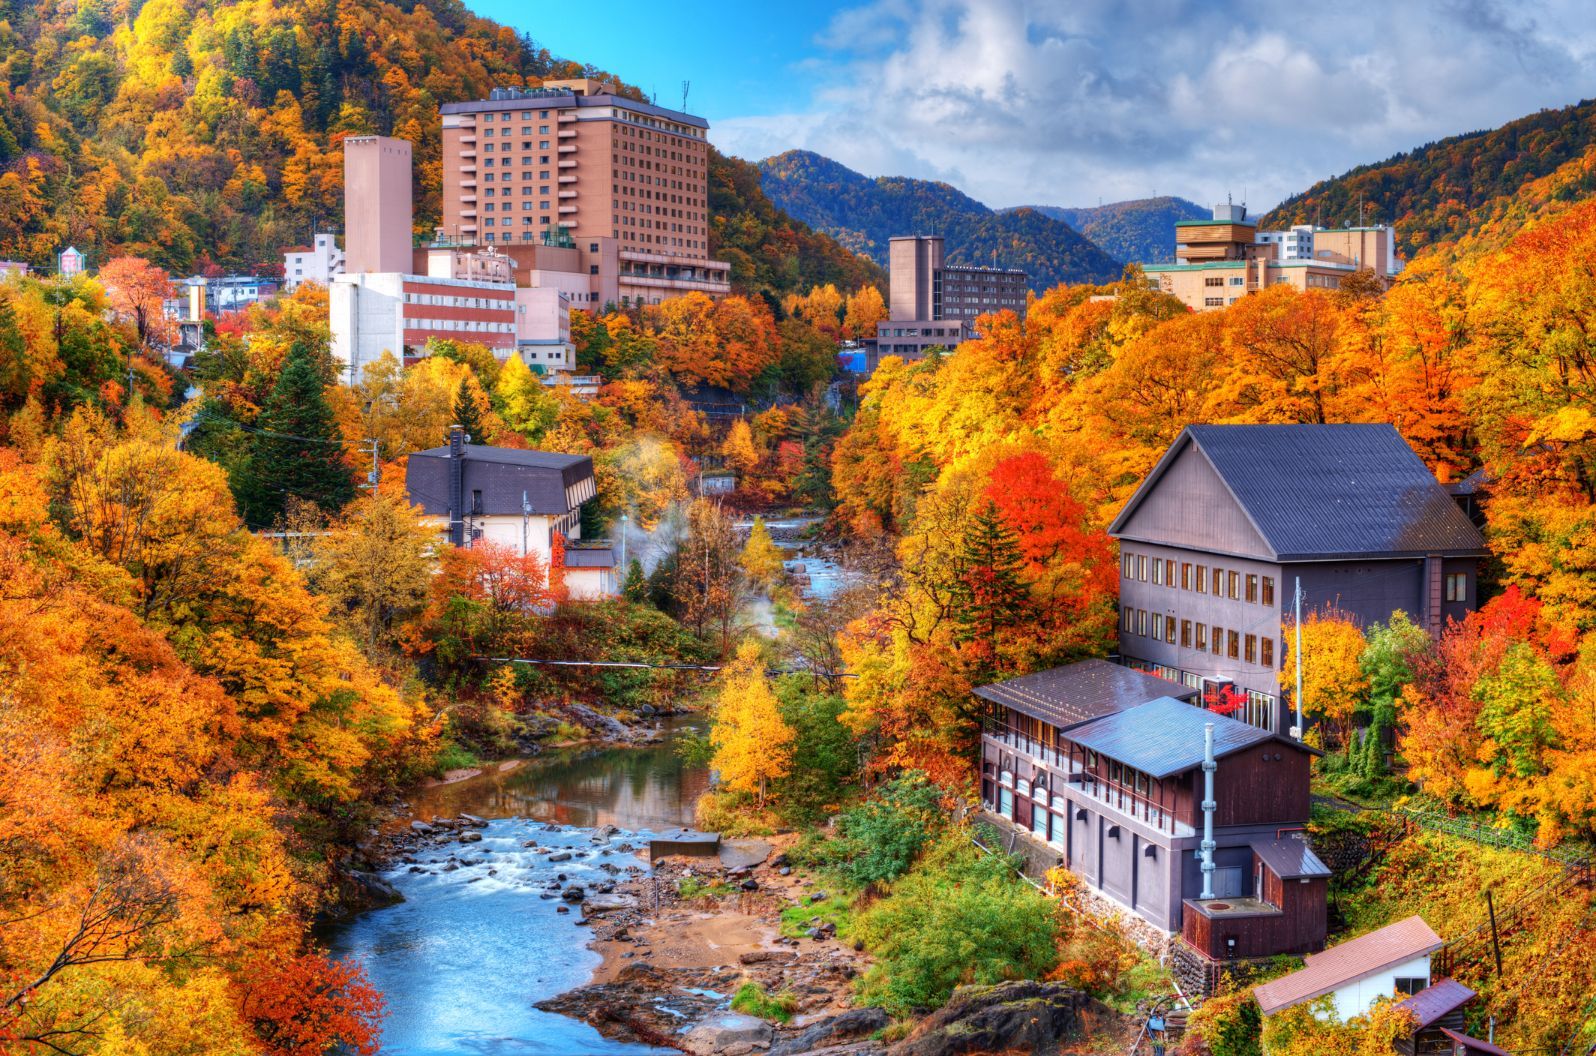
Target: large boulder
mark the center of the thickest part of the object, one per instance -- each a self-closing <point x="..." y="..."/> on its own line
<point x="1030" y="1017"/>
<point x="854" y="1023"/>
<point x="728" y="1034"/>
<point x="369" y="891"/>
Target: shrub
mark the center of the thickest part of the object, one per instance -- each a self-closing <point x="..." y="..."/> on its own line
<point x="878" y="840"/>
<point x="825" y="755"/>
<point x="752" y="1000"/>
<point x="960" y="916"/>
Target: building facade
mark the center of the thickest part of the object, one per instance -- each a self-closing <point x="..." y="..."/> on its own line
<point x="521" y="500"/>
<point x="1234" y="519"/>
<point x="1221" y="260"/>
<point x="378" y="208"/>
<point x="397" y="312"/>
<point x="71" y="261"/>
<point x="320" y="262"/>
<point x="573" y="165"/>
<point x="1101" y="768"/>
<point x="933" y="304"/>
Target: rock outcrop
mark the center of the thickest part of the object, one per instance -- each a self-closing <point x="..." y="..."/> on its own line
<point x="1036" y="1018"/>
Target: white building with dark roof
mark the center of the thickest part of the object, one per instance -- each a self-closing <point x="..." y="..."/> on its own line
<point x="517" y="499"/>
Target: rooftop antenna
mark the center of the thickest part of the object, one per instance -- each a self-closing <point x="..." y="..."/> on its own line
<point x="685" y="86"/>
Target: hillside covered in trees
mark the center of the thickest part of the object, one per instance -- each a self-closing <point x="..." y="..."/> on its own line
<point x="1462" y="187"/>
<point x="1141" y="230"/>
<point x="863" y="214"/>
<point x="194" y="133"/>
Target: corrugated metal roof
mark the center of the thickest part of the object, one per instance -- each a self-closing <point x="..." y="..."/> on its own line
<point x="502" y="475"/>
<point x="590" y="557"/>
<point x="1475" y="1044"/>
<point x="1436" y="1000"/>
<point x="1290" y="858"/>
<point x="1075" y="693"/>
<point x="1165" y="736"/>
<point x="1350" y="961"/>
<point x="1329" y="491"/>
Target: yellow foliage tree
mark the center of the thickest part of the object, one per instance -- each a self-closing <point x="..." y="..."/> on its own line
<point x="1333" y="683"/>
<point x="753" y="744"/>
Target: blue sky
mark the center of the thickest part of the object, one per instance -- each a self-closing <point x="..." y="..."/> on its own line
<point x="1065" y="102"/>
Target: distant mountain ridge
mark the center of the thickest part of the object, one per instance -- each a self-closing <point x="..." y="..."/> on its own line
<point x="1140" y="230"/>
<point x="864" y="213"/>
<point x="1454" y="189"/>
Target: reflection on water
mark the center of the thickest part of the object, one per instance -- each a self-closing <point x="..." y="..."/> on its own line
<point x="644" y="787"/>
<point x="462" y="960"/>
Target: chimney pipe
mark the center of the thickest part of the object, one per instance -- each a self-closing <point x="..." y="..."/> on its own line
<point x="1209" y="806"/>
<point x="457" y="442"/>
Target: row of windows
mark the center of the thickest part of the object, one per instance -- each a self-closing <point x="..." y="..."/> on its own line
<point x="447" y="301"/>
<point x="1227" y="583"/>
<point x="1248" y="648"/>
<point x="465" y="325"/>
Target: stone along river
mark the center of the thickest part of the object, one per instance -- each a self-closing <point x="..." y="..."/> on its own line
<point x="462" y="960"/>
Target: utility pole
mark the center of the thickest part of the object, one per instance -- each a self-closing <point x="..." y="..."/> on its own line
<point x="526" y="512"/>
<point x="374" y="475"/>
<point x="1297" y="605"/>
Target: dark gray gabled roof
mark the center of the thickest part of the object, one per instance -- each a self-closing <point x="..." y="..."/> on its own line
<point x="590" y="557"/>
<point x="1322" y="492"/>
<point x="1437" y="1000"/>
<point x="1165" y="736"/>
<point x="1290" y="858"/>
<point x="1065" y="696"/>
<point x="549" y="481"/>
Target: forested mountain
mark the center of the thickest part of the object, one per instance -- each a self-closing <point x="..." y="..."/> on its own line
<point x="1141" y="230"/>
<point x="193" y="132"/>
<point x="1449" y="190"/>
<point x="864" y="213"/>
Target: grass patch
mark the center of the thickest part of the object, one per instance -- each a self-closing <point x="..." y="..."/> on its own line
<point x="453" y="756"/>
<point x="751" y="1000"/>
<point x="797" y="920"/>
<point x="691" y="887"/>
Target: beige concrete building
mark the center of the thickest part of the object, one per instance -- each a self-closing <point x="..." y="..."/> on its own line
<point x="377" y="204"/>
<point x="1221" y="260"/>
<point x="921" y="285"/>
<point x="571" y="179"/>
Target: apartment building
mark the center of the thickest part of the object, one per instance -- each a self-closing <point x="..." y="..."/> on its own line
<point x="1234" y="517"/>
<point x="621" y="184"/>
<point x="319" y="262"/>
<point x="932" y="303"/>
<point x="1221" y="260"/>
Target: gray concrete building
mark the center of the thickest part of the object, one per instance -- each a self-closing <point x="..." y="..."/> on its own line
<point x="1235" y="517"/>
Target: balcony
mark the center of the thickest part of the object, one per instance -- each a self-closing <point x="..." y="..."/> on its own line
<point x="1113" y="798"/>
<point x="567" y="148"/>
<point x="567" y="194"/>
<point x="567" y="177"/>
<point x="662" y="283"/>
<point x="566" y="210"/>
<point x="567" y="133"/>
<point x="567" y="163"/>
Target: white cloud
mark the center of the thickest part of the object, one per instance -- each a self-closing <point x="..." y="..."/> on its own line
<point x="1065" y="101"/>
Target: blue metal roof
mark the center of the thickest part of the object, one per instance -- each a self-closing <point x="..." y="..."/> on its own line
<point x="1165" y="736"/>
<point x="1077" y="692"/>
<point x="1318" y="492"/>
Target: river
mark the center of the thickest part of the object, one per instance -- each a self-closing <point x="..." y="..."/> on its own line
<point x="462" y="960"/>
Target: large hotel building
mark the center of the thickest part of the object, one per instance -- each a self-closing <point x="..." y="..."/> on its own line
<point x="1221" y="260"/>
<point x="602" y="196"/>
<point x="932" y="303"/>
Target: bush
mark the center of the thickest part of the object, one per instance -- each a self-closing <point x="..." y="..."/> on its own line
<point x="825" y="755"/>
<point x="961" y="916"/>
<point x="453" y="756"/>
<point x="878" y="840"/>
<point x="1227" y="1024"/>
<point x="752" y="1000"/>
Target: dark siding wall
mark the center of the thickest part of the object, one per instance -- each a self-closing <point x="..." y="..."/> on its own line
<point x="1254" y="787"/>
<point x="1368" y="591"/>
<point x="1191" y="507"/>
<point x="1118" y="862"/>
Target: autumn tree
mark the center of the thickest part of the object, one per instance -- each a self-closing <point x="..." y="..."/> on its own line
<point x="138" y="290"/>
<point x="865" y="309"/>
<point x="989" y="599"/>
<point x="738" y="449"/>
<point x="708" y="584"/>
<point x="753" y="744"/>
<point x="376" y="564"/>
<point x="761" y="557"/>
<point x="310" y="1005"/>
<point x="1334" y="685"/>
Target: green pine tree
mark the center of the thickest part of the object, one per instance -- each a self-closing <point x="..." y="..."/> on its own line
<point x="989" y="596"/>
<point x="636" y="587"/>
<point x="295" y="449"/>
<point x="467" y="414"/>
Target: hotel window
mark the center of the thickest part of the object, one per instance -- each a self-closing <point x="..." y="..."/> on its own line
<point x="1202" y="637"/>
<point x="1127" y="564"/>
<point x="1251" y="648"/>
<point x="1213" y="281"/>
<point x="1185" y="575"/>
<point x="1169" y="572"/>
<point x="1141" y="622"/>
<point x="1218" y="642"/>
<point x="1235" y="586"/>
<point x="1141" y="567"/>
<point x="1158" y="626"/>
<point x="1234" y="643"/>
<point x="1158" y="572"/>
<point x="1268" y="590"/>
<point x="1169" y="629"/>
<point x="1130" y="619"/>
<point x="1252" y="588"/>
<point x="1268" y="658"/>
<point x="1208" y="302"/>
<point x="1457" y="586"/>
<point x="1202" y="579"/>
<point x="1185" y="634"/>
